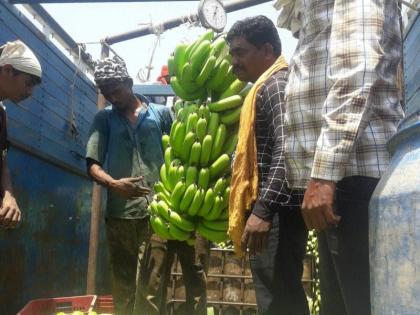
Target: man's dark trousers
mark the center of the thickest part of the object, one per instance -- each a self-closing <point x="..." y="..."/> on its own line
<point x="277" y="271"/>
<point x="344" y="251"/>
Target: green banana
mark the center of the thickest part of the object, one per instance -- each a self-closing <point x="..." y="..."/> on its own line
<point x="220" y="185"/>
<point x="192" y="122"/>
<point x="230" y="144"/>
<point x="188" y="197"/>
<point x="180" y="117"/>
<point x="172" y="133"/>
<point x="180" y="222"/>
<point x="178" y="139"/>
<point x="179" y="57"/>
<point x="164" y="178"/>
<point x="153" y="208"/>
<point x="160" y="227"/>
<point x="178" y="105"/>
<point x="216" y="209"/>
<point x="187" y="79"/>
<point x="168" y="157"/>
<point x="213" y="125"/>
<point x="201" y="128"/>
<point x="226" y="196"/>
<point x="218" y="142"/>
<point x="219" y="46"/>
<point x="196" y="203"/>
<point x="207" y="203"/>
<point x="177" y="194"/>
<point x="188" y="143"/>
<point x="203" y="178"/>
<point x="180" y="173"/>
<point x="206" y="71"/>
<point x="165" y="141"/>
<point x="217" y="75"/>
<point x="163" y="209"/>
<point x="178" y="234"/>
<point x="161" y="196"/>
<point x="211" y="235"/>
<point x="219" y="225"/>
<point x="219" y="166"/>
<point x="206" y="150"/>
<point x="204" y="112"/>
<point x="198" y="57"/>
<point x="172" y="173"/>
<point x="225" y="214"/>
<point x="226" y="103"/>
<point x="191" y="176"/>
<point x="171" y="65"/>
<point x="231" y="117"/>
<point x="233" y="89"/>
<point x="227" y="81"/>
<point x="180" y="91"/>
<point x="195" y="153"/>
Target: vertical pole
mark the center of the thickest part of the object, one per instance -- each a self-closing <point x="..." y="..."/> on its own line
<point x="95" y="213"/>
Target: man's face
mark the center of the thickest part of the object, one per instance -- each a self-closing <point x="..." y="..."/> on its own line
<point x="247" y="60"/>
<point x="118" y="94"/>
<point x="19" y="86"/>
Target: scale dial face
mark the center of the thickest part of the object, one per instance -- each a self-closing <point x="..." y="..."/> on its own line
<point x="212" y="14"/>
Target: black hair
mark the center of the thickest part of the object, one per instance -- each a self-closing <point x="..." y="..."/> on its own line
<point x="257" y="30"/>
<point x="36" y="80"/>
<point x="128" y="82"/>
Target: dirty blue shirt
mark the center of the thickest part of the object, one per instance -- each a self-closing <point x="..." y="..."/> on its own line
<point x="127" y="150"/>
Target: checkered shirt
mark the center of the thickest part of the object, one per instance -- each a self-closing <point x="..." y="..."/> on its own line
<point x="342" y="102"/>
<point x="269" y="126"/>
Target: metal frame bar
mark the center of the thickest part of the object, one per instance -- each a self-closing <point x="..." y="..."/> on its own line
<point x="62" y="36"/>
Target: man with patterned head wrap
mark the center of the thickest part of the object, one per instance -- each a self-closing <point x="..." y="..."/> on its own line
<point x="124" y="154"/>
<point x="20" y="72"/>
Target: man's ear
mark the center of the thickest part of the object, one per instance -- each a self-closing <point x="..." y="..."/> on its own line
<point x="7" y="70"/>
<point x="268" y="50"/>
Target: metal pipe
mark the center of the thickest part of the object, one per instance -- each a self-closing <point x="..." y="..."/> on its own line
<point x="230" y="6"/>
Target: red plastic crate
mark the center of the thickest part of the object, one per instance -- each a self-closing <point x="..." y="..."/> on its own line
<point x="52" y="306"/>
<point x="104" y="304"/>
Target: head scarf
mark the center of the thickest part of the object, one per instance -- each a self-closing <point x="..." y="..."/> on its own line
<point x="21" y="58"/>
<point x="110" y="69"/>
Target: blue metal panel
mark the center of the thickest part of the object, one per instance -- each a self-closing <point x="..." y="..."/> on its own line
<point x="47" y="255"/>
<point x="50" y="110"/>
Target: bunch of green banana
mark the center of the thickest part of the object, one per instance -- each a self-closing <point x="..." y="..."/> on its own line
<point x="203" y="68"/>
<point x="193" y="191"/>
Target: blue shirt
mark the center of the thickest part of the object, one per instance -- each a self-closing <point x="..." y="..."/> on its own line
<point x="128" y="150"/>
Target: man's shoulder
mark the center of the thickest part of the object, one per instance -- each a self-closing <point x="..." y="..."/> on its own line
<point x="279" y="77"/>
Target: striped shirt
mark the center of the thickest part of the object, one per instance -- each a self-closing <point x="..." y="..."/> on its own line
<point x="342" y="102"/>
<point x="269" y="133"/>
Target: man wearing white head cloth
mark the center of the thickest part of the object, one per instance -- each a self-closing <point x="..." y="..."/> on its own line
<point x="20" y="72"/>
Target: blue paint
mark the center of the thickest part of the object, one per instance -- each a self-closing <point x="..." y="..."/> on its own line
<point x="394" y="213"/>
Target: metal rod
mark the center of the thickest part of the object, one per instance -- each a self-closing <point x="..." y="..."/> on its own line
<point x="230" y="6"/>
<point x="95" y="213"/>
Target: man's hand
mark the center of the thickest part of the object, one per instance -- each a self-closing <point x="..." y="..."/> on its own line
<point x="317" y="206"/>
<point x="128" y="187"/>
<point x="255" y="235"/>
<point x="9" y="212"/>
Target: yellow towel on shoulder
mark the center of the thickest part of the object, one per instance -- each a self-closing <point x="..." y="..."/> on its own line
<point x="244" y="183"/>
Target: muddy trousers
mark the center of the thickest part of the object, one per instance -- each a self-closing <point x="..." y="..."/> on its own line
<point x="194" y="262"/>
<point x="133" y="279"/>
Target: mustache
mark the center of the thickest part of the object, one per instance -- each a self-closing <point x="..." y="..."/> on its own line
<point x="237" y="68"/>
